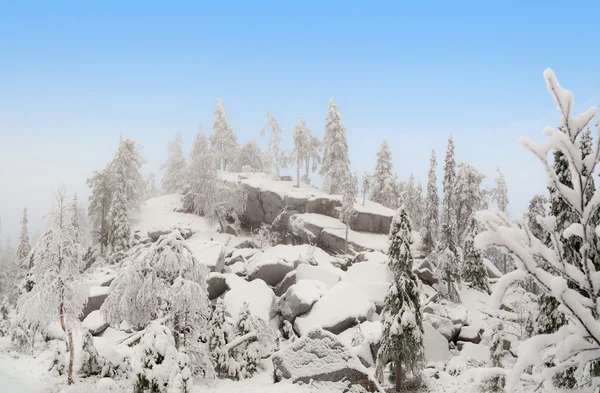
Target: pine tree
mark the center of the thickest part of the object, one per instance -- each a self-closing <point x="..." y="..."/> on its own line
<point x="98" y="210"/>
<point x="24" y="248"/>
<point x="366" y="186"/>
<point x="278" y="156"/>
<point x="335" y="168"/>
<point x="223" y="141"/>
<point x="419" y="205"/>
<point x="313" y="154"/>
<point x="175" y="168"/>
<point x="58" y="293"/>
<point x="125" y="172"/>
<point x="219" y="335"/>
<point x="536" y="208"/>
<point x="248" y="353"/>
<point x="251" y="155"/>
<point x="497" y="351"/>
<point x="348" y="212"/>
<point x="383" y="185"/>
<point x="430" y="224"/>
<point x="469" y="197"/>
<point x="150" y="188"/>
<point x="474" y="271"/>
<point x="448" y="203"/>
<point x="402" y="337"/>
<point x="119" y="238"/>
<point x="301" y="146"/>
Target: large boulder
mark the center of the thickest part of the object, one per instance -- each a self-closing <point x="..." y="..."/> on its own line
<point x="258" y="295"/>
<point x="217" y="285"/>
<point x="372" y="278"/>
<point x="300" y="297"/>
<point x="443" y="325"/>
<point x="320" y="357"/>
<point x="95" y="323"/>
<point x="340" y="308"/>
<point x="435" y="345"/>
<point x="96" y="299"/>
<point x="427" y="276"/>
<point x="286" y="283"/>
<point x="267" y="267"/>
<point x="327" y="276"/>
<point x="470" y="334"/>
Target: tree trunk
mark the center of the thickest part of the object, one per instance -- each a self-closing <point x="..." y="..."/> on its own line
<point x="347" y="239"/>
<point x="449" y="279"/>
<point x="298" y="173"/>
<point x="71" y="358"/>
<point x="307" y="166"/>
<point x="399" y="376"/>
<point x="62" y="323"/>
<point x="364" y="196"/>
<point x="504" y="260"/>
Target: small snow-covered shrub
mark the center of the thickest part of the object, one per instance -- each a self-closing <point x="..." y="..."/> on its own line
<point x="58" y="362"/>
<point x="247" y="354"/>
<point x="157" y="365"/>
<point x="116" y="366"/>
<point x="106" y="385"/>
<point x="91" y="362"/>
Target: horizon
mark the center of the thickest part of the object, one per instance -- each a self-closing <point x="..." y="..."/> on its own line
<point x="76" y="78"/>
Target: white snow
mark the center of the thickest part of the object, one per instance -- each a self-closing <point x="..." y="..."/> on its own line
<point x="329" y="277"/>
<point x="436" y="345"/>
<point x="372" y="278"/>
<point x="94" y="321"/>
<point x="257" y="294"/>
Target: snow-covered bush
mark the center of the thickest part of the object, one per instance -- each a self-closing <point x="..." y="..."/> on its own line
<point x="219" y="334"/>
<point x="572" y="281"/>
<point x="58" y="363"/>
<point x="473" y="271"/>
<point x="248" y="353"/>
<point x="91" y="362"/>
<point x="157" y="365"/>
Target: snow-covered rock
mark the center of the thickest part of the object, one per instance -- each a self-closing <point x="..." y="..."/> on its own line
<point x="267" y="267"/>
<point x="435" y="345"/>
<point x="257" y="294"/>
<point x="95" y="323"/>
<point x="329" y="277"/>
<point x="480" y="353"/>
<point x="106" y="385"/>
<point x="341" y="307"/>
<point x="459" y="315"/>
<point x="492" y="270"/>
<point x="286" y="283"/>
<point x="470" y="334"/>
<point x="95" y="300"/>
<point x="319" y="356"/>
<point x="443" y="325"/>
<point x="217" y="285"/>
<point x="372" y="278"/>
<point x="300" y="297"/>
<point x="372" y="257"/>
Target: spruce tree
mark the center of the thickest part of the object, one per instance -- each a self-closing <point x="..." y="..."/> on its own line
<point x="219" y="334"/>
<point x="251" y="155"/>
<point x="366" y="186"/>
<point x="313" y="155"/>
<point x="175" y="168"/>
<point x="384" y="184"/>
<point x="419" y="204"/>
<point x="335" y="168"/>
<point x="223" y="141"/>
<point x="301" y="146"/>
<point x="120" y="235"/>
<point x="474" y="271"/>
<point x="247" y="353"/>
<point x="24" y="248"/>
<point x="469" y="197"/>
<point x="348" y="212"/>
<point x="430" y="224"/>
<point x="101" y="196"/>
<point x="278" y="156"/>
<point x="496" y="383"/>
<point x="402" y="337"/>
<point x="125" y="172"/>
<point x="448" y="203"/>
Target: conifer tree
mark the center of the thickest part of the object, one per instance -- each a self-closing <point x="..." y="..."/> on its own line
<point x="119" y="238"/>
<point x="366" y="186"/>
<point x="419" y="205"/>
<point x="402" y="337"/>
<point x="348" y="212"/>
<point x="150" y="188"/>
<point x="175" y="168"/>
<point x="448" y="203"/>
<point x="278" y="156"/>
<point x="219" y="334"/>
<point x="99" y="206"/>
<point x="24" y="248"/>
<point x="496" y="383"/>
<point x="430" y="224"/>
<point x="251" y="155"/>
<point x="313" y="155"/>
<point x="335" y="168"/>
<point x="223" y="141"/>
<point x="91" y="362"/>
<point x="383" y="185"/>
<point x="469" y="197"/>
<point x="301" y="146"/>
<point x="474" y="271"/>
<point x="247" y="353"/>
<point x="125" y="172"/>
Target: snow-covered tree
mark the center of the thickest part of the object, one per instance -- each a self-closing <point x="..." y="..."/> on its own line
<point x="474" y="272"/>
<point x="449" y="200"/>
<point x="125" y="172"/>
<point x="500" y="193"/>
<point x="278" y="156"/>
<point x="119" y="239"/>
<point x="536" y="208"/>
<point x="469" y="197"/>
<point x="497" y="352"/>
<point x="402" y="337"/>
<point x="251" y="155"/>
<point x="223" y="141"/>
<point x="313" y="155"/>
<point x="247" y="353"/>
<point x="448" y="262"/>
<point x="366" y="186"/>
<point x="150" y="188"/>
<point x="59" y="293"/>
<point x="99" y="205"/>
<point x="419" y="205"/>
<point x="383" y="184"/>
<point x="158" y="366"/>
<point x="91" y="363"/>
<point x="335" y="168"/>
<point x="24" y="248"/>
<point x="219" y="335"/>
<point x="348" y="212"/>
<point x="163" y="281"/>
<point x="430" y="223"/>
<point x="301" y="146"/>
<point x="174" y="178"/>
<point x="572" y="282"/>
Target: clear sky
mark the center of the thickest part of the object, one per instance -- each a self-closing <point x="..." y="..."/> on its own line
<point x="74" y="76"/>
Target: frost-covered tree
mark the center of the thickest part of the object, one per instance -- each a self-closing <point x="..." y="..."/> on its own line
<point x="473" y="271"/>
<point x="313" y="155"/>
<point x="469" y="197"/>
<point x="335" y="167"/>
<point x="448" y="262"/>
<point x="301" y="146"/>
<point x="125" y="172"/>
<point x="247" y="353"/>
<point x="223" y="142"/>
<point x="402" y="337"/>
<point x="572" y="282"/>
<point x="251" y="155"/>
<point x="219" y="335"/>
<point x="366" y="186"/>
<point x="497" y="352"/>
<point x="536" y="208"/>
<point x="91" y="363"/>
<point x="119" y="238"/>
<point x="59" y="293"/>
<point x="150" y="188"/>
<point x="383" y="183"/>
<point x="24" y="248"/>
<point x="278" y="156"/>
<point x="175" y="168"/>
<point x="348" y="212"/>
<point x="419" y="205"/>
<point x="449" y="200"/>
<point x="163" y="281"/>
<point x="500" y="193"/>
<point x="158" y="367"/>
<point x="99" y="206"/>
<point x="430" y="224"/>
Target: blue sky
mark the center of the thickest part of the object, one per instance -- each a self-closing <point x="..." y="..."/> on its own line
<point x="74" y="76"/>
